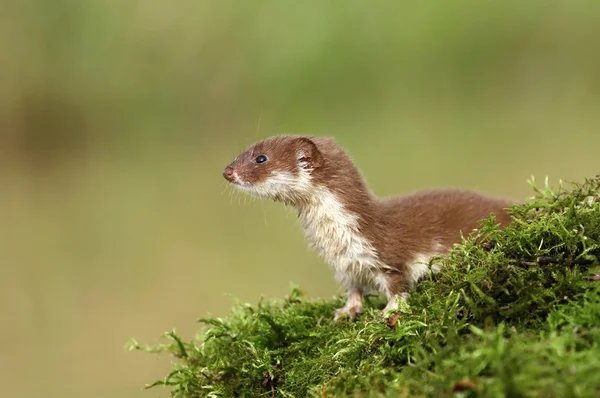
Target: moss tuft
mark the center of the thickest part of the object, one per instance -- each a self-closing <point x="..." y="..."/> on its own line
<point x="514" y="313"/>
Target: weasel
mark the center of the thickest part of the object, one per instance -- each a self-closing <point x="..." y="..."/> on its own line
<point x="373" y="244"/>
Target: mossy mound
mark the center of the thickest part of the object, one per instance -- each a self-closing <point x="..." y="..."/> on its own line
<point x="515" y="312"/>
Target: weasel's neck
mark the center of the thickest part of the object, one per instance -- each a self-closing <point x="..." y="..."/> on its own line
<point x="338" y="197"/>
<point x="350" y="196"/>
<point x="331" y="210"/>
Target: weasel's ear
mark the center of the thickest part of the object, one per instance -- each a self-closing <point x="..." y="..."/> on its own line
<point x="308" y="155"/>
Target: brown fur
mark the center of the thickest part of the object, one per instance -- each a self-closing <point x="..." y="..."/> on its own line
<point x="399" y="228"/>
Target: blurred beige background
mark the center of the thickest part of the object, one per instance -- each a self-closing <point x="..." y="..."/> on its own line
<point x="117" y="118"/>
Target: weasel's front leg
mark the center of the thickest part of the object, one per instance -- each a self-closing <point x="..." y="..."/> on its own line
<point x="353" y="305"/>
<point x="395" y="289"/>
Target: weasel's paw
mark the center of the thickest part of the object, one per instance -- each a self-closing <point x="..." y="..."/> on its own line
<point x="394" y="304"/>
<point x="388" y="310"/>
<point x="351" y="312"/>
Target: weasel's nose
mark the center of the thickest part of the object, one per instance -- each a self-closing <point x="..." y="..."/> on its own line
<point x="228" y="173"/>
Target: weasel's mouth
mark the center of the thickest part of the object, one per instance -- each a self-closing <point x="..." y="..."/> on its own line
<point x="249" y="189"/>
<point x="236" y="181"/>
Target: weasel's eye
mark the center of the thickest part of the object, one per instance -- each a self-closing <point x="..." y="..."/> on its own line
<point x="260" y="159"/>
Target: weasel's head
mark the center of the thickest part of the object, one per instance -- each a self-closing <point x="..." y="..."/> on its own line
<point x="279" y="168"/>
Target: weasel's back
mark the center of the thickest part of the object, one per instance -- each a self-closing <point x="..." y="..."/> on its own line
<point x="442" y="214"/>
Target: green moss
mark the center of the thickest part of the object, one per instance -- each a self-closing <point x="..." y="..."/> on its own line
<point x="514" y="313"/>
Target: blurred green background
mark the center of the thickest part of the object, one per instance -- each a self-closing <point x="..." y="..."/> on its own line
<point x="118" y="116"/>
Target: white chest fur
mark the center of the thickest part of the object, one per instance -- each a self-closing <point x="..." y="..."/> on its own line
<point x="334" y="232"/>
